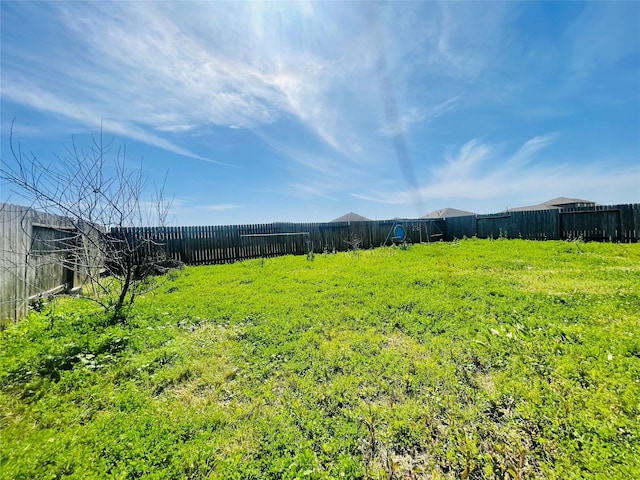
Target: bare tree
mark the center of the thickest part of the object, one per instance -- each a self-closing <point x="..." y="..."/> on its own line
<point x="100" y="195"/>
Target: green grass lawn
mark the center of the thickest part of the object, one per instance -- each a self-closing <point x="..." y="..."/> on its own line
<point x="472" y="359"/>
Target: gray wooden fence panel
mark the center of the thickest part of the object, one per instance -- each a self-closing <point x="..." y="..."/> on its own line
<point x="492" y="226"/>
<point x="458" y="227"/>
<point x="33" y="257"/>
<point x="604" y="223"/>
<point x="592" y="225"/>
<point x="531" y="225"/>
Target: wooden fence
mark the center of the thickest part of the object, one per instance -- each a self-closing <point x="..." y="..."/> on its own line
<point x="32" y="265"/>
<point x="231" y="243"/>
<point x="224" y="244"/>
<point x="32" y="259"/>
<point x="615" y="223"/>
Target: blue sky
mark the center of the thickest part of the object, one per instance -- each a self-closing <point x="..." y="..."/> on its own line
<point x="274" y="111"/>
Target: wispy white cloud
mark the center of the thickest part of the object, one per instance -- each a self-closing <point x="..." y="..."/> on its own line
<point x="33" y="96"/>
<point x="469" y="35"/>
<point x="157" y="68"/>
<point x="528" y="151"/>
<point x="478" y="172"/>
<point x="316" y="161"/>
<point x="175" y="128"/>
<point x="418" y="115"/>
<point x="222" y="207"/>
<point x="310" y="190"/>
<point x="471" y="155"/>
<point x="21" y="129"/>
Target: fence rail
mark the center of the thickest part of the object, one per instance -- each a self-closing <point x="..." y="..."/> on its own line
<point x="30" y="266"/>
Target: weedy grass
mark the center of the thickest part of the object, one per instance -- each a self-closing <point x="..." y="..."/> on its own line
<point x="472" y="359"/>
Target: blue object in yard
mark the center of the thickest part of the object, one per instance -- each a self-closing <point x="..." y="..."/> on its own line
<point x="399" y="233"/>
